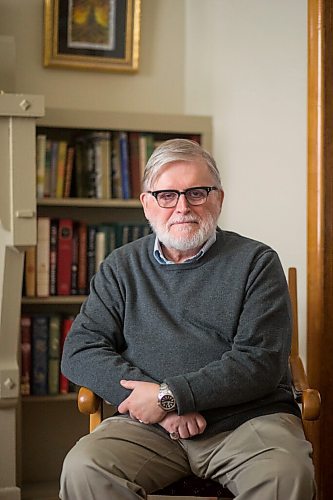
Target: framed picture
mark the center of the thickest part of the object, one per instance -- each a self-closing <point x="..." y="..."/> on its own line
<point x="100" y="35"/>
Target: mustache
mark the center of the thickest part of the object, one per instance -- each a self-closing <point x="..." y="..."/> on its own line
<point x="181" y="220"/>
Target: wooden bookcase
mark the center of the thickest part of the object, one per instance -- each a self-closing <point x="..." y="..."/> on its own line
<point x="50" y="425"/>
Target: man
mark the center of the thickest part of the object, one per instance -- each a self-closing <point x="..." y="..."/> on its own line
<point x="188" y="332"/>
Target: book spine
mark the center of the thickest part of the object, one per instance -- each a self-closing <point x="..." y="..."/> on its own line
<point x="40" y="163"/>
<point x="30" y="272"/>
<point x="54" y="354"/>
<point x="61" y="164"/>
<point x="39" y="349"/>
<point x="43" y="257"/>
<point x="53" y="255"/>
<point x="66" y="326"/>
<point x="54" y="168"/>
<point x="125" y="181"/>
<point x="75" y="260"/>
<point x="25" y="355"/>
<point x="82" y="273"/>
<point x="134" y="164"/>
<point x="116" y="168"/>
<point x="47" y="174"/>
<point x="64" y="258"/>
<point x="91" y="250"/>
<point x="100" y="249"/>
<point x="69" y="171"/>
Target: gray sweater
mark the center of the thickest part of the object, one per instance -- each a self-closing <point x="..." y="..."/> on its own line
<point x="218" y="330"/>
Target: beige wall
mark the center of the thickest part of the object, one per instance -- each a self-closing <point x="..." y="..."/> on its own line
<point x="157" y="87"/>
<point x="241" y="61"/>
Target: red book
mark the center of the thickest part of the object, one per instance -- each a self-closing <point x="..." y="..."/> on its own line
<point x="65" y="327"/>
<point x="25" y="355"/>
<point x="64" y="257"/>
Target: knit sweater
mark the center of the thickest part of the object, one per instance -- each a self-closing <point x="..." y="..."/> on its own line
<point x="217" y="331"/>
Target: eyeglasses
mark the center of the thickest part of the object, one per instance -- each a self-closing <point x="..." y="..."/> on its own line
<point x="168" y="198"/>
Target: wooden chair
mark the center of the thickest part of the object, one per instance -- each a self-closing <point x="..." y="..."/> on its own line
<point x="193" y="487"/>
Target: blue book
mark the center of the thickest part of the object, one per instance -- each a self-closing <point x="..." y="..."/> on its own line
<point x="39" y="352"/>
<point x="124" y="165"/>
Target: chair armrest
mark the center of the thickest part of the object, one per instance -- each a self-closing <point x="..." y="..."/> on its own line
<point x="309" y="398"/>
<point x="88" y="402"/>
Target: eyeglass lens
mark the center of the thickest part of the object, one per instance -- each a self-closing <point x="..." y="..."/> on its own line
<point x="170" y="198"/>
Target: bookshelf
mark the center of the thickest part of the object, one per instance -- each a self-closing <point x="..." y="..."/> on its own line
<point x="60" y="424"/>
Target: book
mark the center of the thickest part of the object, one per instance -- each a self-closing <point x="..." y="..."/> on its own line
<point x="69" y="171"/>
<point x="30" y="272"/>
<point x="100" y="251"/>
<point x="91" y="248"/>
<point x="40" y="163"/>
<point x="82" y="258"/>
<point x="43" y="257"/>
<point x="116" y="168"/>
<point x="65" y="328"/>
<point x="64" y="256"/>
<point x="39" y="354"/>
<point x="124" y="165"/>
<point x="53" y="255"/>
<point x="75" y="259"/>
<point x="54" y="168"/>
<point x="25" y="355"/>
<point x="54" y="354"/>
<point x="134" y="164"/>
<point x="61" y="164"/>
<point x="47" y="171"/>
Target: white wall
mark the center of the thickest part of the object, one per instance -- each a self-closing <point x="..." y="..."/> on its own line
<point x="246" y="65"/>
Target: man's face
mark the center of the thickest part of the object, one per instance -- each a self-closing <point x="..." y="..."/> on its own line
<point x="183" y="227"/>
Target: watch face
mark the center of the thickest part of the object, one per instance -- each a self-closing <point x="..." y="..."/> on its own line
<point x="167" y="402"/>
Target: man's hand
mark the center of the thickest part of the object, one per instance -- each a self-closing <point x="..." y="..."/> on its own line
<point x="141" y="404"/>
<point x="186" y="426"/>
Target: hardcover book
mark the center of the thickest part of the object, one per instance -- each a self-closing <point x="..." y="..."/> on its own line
<point x="25" y="355"/>
<point x="64" y="257"/>
<point x="39" y="350"/>
<point x="53" y="255"/>
<point x="43" y="257"/>
<point x="66" y="326"/>
<point x="30" y="272"/>
<point x="54" y="354"/>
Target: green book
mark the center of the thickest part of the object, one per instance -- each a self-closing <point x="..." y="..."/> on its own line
<point x="54" y="355"/>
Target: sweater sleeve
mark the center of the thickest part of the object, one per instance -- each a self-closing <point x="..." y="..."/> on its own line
<point x="257" y="362"/>
<point x="92" y="354"/>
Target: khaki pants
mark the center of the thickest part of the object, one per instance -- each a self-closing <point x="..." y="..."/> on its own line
<point x="265" y="458"/>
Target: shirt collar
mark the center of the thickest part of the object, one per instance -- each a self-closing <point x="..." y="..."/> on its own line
<point x="158" y="252"/>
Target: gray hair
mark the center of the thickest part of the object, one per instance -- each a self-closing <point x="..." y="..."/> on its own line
<point x="178" y="150"/>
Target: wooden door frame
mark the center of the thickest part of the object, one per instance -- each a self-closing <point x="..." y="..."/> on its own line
<point x="320" y="233"/>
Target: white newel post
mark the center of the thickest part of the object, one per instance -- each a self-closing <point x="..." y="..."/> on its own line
<point x="18" y="115"/>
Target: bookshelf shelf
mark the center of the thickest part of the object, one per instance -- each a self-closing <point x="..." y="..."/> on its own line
<point x="56" y="300"/>
<point x="60" y="424"/>
<point x="88" y="202"/>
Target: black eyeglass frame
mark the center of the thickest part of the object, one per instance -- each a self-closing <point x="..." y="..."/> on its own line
<point x="208" y="190"/>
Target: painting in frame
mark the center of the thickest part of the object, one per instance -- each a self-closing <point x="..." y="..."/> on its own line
<point x="100" y="35"/>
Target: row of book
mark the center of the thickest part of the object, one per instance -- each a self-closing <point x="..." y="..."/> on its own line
<point x="68" y="253"/>
<point x="99" y="165"/>
<point x="42" y="339"/>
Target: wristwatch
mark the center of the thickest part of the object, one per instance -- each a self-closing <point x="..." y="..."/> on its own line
<point x="166" y="399"/>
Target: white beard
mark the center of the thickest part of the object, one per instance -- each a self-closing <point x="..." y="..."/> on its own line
<point x="187" y="239"/>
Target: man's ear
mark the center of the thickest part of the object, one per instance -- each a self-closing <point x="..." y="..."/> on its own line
<point x="144" y="202"/>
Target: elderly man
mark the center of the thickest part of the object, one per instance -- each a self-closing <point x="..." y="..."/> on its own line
<point x="187" y="331"/>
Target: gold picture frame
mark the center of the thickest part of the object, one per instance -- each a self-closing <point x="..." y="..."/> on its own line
<point x="99" y="35"/>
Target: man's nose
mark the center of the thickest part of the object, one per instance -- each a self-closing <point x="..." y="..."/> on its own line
<point x="182" y="204"/>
